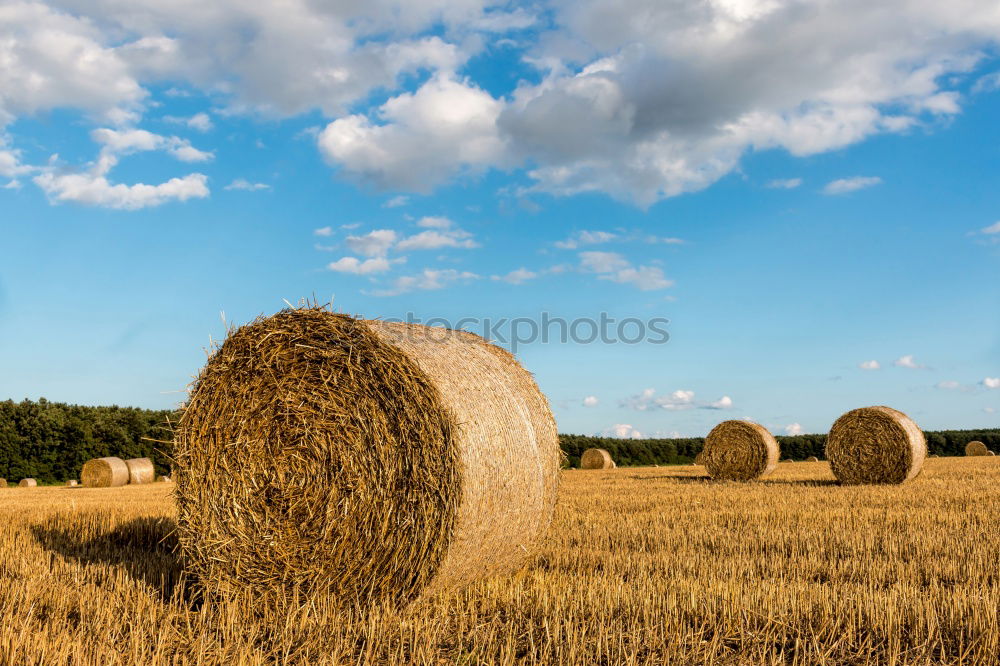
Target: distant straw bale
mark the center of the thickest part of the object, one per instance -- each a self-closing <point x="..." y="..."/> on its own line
<point x="27" y="483"/>
<point x="72" y="483"/>
<point x="163" y="479"/>
<point x="3" y="483"/>
<point x="104" y="473"/>
<point x="740" y="451"/>
<point x="140" y="470"/>
<point x="812" y="459"/>
<point x="596" y="459"/>
<point x="364" y="460"/>
<point x="976" y="448"/>
<point x="875" y="445"/>
<point x="990" y="453"/>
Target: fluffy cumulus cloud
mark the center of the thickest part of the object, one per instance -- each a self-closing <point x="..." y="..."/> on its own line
<point x="869" y="365"/>
<point x="91" y="185"/>
<point x="794" y="429"/>
<point x="679" y="400"/>
<point x="621" y="431"/>
<point x="591" y="401"/>
<point x="428" y="279"/>
<point x="418" y="140"/>
<point x="516" y="276"/>
<point x="585" y="238"/>
<point x="907" y="361"/>
<point x="991" y="382"/>
<point x="246" y="186"/>
<point x="358" y="267"/>
<point x="634" y="98"/>
<point x="615" y="268"/>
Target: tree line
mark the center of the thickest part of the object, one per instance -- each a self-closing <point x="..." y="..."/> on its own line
<point x="50" y="441"/>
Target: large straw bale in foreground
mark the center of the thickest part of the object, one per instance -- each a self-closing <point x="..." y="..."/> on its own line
<point x="140" y="470"/>
<point x="27" y="483"/>
<point x="367" y="460"/>
<point x="740" y="451"/>
<point x="976" y="448"/>
<point x="875" y="445"/>
<point x="104" y="473"/>
<point x="596" y="459"/>
<point x="700" y="458"/>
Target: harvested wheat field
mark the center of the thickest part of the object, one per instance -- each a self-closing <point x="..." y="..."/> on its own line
<point x="642" y="566"/>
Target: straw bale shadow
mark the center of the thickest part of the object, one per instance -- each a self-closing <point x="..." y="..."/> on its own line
<point x="145" y="548"/>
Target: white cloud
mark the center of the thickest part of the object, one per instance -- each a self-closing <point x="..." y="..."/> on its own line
<point x="621" y="431"/>
<point x="869" y="365"/>
<point x="427" y="136"/>
<point x="991" y="382"/>
<point x="433" y="240"/>
<point x="586" y="238"/>
<point x="323" y="231"/>
<point x="517" y="276"/>
<point x="793" y="429"/>
<point x="680" y="400"/>
<point x="373" y="244"/>
<point x="431" y="222"/>
<point x="357" y="267"/>
<point x="246" y="185"/>
<point x="201" y="122"/>
<point x="990" y="410"/>
<point x="95" y="190"/>
<point x="949" y="385"/>
<point x="784" y="183"/>
<point x="590" y="401"/>
<point x="614" y="267"/>
<point x="992" y="229"/>
<point x="126" y="141"/>
<point x="397" y="201"/>
<point x="845" y="185"/>
<point x="428" y="279"/>
<point x="907" y="362"/>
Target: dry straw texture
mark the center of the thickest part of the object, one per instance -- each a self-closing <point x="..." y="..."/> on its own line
<point x="700" y="458"/>
<point x="27" y="483"/>
<point x="104" y="473"/>
<point x="875" y="445"/>
<point x="596" y="459"/>
<point x="140" y="470"/>
<point x="740" y="451"/>
<point x="976" y="448"/>
<point x="366" y="460"/>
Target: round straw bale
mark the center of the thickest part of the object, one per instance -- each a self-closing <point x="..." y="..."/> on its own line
<point x="812" y="459"/>
<point x="104" y="473"/>
<point x="700" y="458"/>
<point x="596" y="459"/>
<point x="72" y="483"/>
<point x="875" y="445"/>
<point x="990" y="453"/>
<point x="740" y="451"/>
<point x="140" y="470"/>
<point x="366" y="460"/>
<point x="3" y="483"/>
<point x="976" y="448"/>
<point x="27" y="483"/>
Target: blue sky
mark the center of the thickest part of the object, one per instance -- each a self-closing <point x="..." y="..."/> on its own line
<point x="808" y="192"/>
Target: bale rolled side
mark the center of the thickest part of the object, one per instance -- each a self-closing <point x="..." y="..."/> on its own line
<point x="875" y="445"/>
<point x="740" y="451"/>
<point x="27" y="483"/>
<point x="140" y="470"/>
<point x="366" y="460"/>
<point x="976" y="448"/>
<point x="107" y="472"/>
<point x="596" y="459"/>
<point x="700" y="458"/>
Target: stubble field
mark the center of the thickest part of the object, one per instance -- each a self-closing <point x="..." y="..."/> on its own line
<point x="643" y="566"/>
